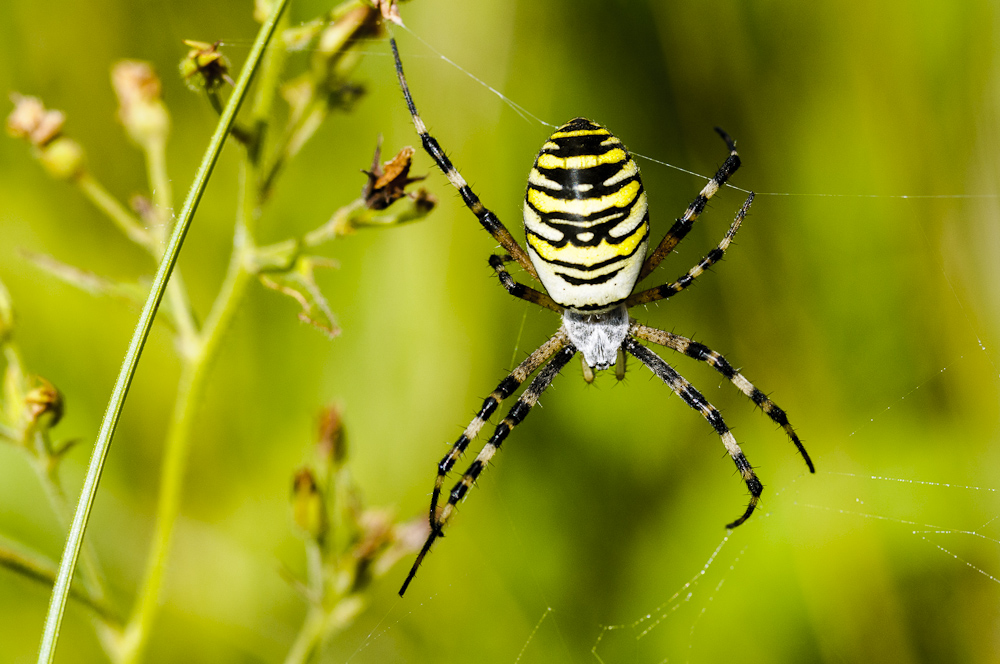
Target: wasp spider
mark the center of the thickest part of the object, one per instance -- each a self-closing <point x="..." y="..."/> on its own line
<point x="586" y="224"/>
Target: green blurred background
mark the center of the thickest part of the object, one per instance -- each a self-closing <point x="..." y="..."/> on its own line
<point x="872" y="320"/>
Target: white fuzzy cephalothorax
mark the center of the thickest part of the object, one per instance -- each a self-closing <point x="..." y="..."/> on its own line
<point x="597" y="335"/>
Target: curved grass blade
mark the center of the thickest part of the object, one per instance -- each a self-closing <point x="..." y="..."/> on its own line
<point x="74" y="541"/>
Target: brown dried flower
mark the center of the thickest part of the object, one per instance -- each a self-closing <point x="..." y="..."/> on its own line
<point x="30" y="120"/>
<point x="387" y="184"/>
<point x="140" y="102"/>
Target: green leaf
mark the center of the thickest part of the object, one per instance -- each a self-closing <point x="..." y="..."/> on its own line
<point x="299" y="284"/>
<point x="87" y="281"/>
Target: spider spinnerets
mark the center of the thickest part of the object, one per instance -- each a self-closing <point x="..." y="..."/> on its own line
<point x="586" y="223"/>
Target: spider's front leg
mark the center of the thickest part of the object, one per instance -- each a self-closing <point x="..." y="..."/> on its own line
<point x="486" y="216"/>
<point x="519" y="290"/>
<point x="684" y="224"/>
<point x="514" y="417"/>
<point x="713" y="257"/>
<point x="694" y="398"/>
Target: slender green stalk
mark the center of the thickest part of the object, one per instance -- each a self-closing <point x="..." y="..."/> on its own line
<point x="178" y="445"/>
<point x="44" y="571"/>
<point x="74" y="542"/>
<point x="102" y="199"/>
<point x="159" y="184"/>
<point x="125" y="220"/>
<point x="47" y="476"/>
<point x="310" y="637"/>
<point x="162" y="191"/>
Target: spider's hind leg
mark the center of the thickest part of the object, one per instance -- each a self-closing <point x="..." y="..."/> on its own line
<point x="563" y="352"/>
<point x="506" y="387"/>
<point x="694" y="398"/>
<point x="705" y="354"/>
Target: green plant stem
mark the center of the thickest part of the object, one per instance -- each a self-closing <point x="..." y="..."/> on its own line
<point x="102" y="199"/>
<point x="47" y="471"/>
<point x="310" y="636"/>
<point x="178" y="443"/>
<point x="189" y="397"/>
<point x="159" y="186"/>
<point x="122" y="218"/>
<point x="44" y="571"/>
<point x="74" y="541"/>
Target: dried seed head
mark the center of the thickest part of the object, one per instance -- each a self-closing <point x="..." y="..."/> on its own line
<point x="389" y="10"/>
<point x="308" y="506"/>
<point x="388" y="184"/>
<point x="204" y="67"/>
<point x="31" y="121"/>
<point x="140" y="102"/>
<point x="331" y="444"/>
<point x="43" y="405"/>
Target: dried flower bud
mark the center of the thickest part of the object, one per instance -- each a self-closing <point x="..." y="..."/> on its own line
<point x="140" y="104"/>
<point x="331" y="445"/>
<point x="63" y="158"/>
<point x="308" y="506"/>
<point x="30" y="120"/>
<point x="389" y="10"/>
<point x="43" y="405"/>
<point x="388" y="184"/>
<point x="204" y="67"/>
<point x="356" y="23"/>
<point x="407" y="538"/>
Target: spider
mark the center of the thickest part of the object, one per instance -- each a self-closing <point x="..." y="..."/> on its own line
<point x="586" y="228"/>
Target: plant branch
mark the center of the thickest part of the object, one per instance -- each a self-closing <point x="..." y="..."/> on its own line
<point x="177" y="446"/>
<point x="122" y="218"/>
<point x="71" y="552"/>
<point x="38" y="569"/>
<point x="47" y="471"/>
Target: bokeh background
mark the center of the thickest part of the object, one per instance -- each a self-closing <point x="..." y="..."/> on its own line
<point x="871" y="318"/>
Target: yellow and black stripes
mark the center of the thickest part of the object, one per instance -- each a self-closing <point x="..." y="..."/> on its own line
<point x="486" y="216"/>
<point x="563" y="354"/>
<point x="705" y="354"/>
<point x="586" y="217"/>
<point x="683" y="225"/>
<point x="713" y="257"/>
<point x="694" y="398"/>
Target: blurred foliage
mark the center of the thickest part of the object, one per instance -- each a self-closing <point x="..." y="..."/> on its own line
<point x="873" y="320"/>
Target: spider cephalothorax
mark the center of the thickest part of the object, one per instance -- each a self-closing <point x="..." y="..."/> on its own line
<point x="586" y="223"/>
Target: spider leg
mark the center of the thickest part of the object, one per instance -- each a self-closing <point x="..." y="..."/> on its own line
<point x="506" y="387"/>
<point x="486" y="217"/>
<point x="514" y="417"/>
<point x="719" y="363"/>
<point x="694" y="398"/>
<point x="683" y="225"/>
<point x="520" y="290"/>
<point x="713" y="257"/>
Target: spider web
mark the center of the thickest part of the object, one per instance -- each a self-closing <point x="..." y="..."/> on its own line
<point x="947" y="523"/>
<point x="855" y="494"/>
